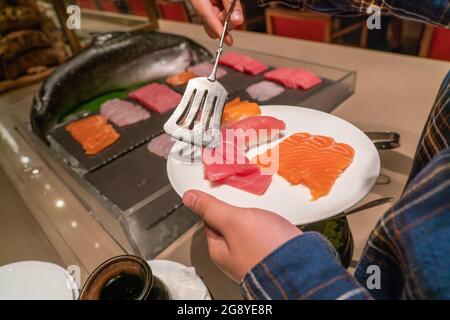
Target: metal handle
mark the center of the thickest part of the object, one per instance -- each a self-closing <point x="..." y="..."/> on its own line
<point x="212" y="76"/>
<point x="368" y="205"/>
<point x="365" y="206"/>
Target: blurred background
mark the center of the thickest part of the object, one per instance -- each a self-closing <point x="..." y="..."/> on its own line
<point x="34" y="36"/>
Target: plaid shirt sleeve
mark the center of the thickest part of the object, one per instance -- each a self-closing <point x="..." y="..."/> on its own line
<point x="435" y="12"/>
<point x="409" y="246"/>
<point x="306" y="267"/>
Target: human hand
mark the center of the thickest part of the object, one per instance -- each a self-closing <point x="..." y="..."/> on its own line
<point x="213" y="14"/>
<point x="238" y="238"/>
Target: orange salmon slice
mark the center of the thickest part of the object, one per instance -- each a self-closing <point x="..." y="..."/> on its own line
<point x="312" y="160"/>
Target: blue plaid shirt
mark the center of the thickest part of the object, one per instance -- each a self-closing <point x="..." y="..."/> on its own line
<point x="409" y="248"/>
<point x="435" y="12"/>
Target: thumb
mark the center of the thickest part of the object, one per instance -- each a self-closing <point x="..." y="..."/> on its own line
<point x="237" y="17"/>
<point x="215" y="213"/>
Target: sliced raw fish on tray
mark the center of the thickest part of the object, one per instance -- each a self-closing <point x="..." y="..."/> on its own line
<point x="264" y="90"/>
<point x="293" y="78"/>
<point x="156" y="97"/>
<point x="242" y="63"/>
<point x="312" y="160"/>
<point x="161" y="145"/>
<point x="182" y="78"/>
<point x="93" y="133"/>
<point x="204" y="70"/>
<point x="123" y="113"/>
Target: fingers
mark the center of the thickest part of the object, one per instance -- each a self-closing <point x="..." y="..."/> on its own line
<point x="217" y="245"/>
<point x="206" y="11"/>
<point x="215" y="213"/>
<point x="237" y="17"/>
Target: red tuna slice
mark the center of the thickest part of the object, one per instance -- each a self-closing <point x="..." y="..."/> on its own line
<point x="242" y="63"/>
<point x="293" y="78"/>
<point x="259" y="122"/>
<point x="224" y="161"/>
<point x="255" y="130"/>
<point x="255" y="182"/>
<point x="254" y="67"/>
<point x="277" y="74"/>
<point x="306" y="80"/>
<point x="244" y="176"/>
<point x="156" y="97"/>
<point x="232" y="59"/>
<point x="283" y="76"/>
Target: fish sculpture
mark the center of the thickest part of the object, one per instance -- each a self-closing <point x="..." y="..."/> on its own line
<point x="113" y="61"/>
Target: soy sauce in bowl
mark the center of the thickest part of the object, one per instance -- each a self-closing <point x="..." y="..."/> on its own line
<point x="124" y="286"/>
<point x="124" y="277"/>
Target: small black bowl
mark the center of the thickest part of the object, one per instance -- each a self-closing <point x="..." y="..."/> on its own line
<point x="124" y="277"/>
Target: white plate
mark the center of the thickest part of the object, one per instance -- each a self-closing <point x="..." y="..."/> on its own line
<point x="36" y="280"/>
<point x="293" y="202"/>
<point x="181" y="282"/>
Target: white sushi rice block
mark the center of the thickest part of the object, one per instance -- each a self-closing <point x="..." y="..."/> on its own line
<point x="264" y="90"/>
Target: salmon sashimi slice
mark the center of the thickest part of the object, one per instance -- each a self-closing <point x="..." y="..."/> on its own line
<point x="181" y="78"/>
<point x="239" y="110"/>
<point x="80" y="129"/>
<point x="312" y="160"/>
<point x="93" y="133"/>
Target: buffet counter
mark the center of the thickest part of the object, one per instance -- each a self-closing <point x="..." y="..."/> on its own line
<point x="393" y="93"/>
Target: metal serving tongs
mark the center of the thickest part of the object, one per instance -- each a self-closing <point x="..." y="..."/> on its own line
<point x="203" y="99"/>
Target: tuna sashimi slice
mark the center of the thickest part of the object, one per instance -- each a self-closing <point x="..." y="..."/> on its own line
<point x="306" y="80"/>
<point x="224" y="161"/>
<point x="264" y="90"/>
<point x="242" y="63"/>
<point x="255" y="130"/>
<point x="228" y="164"/>
<point x="254" y="67"/>
<point x="156" y="97"/>
<point x="293" y="78"/>
<point x="232" y="59"/>
<point x="255" y="182"/>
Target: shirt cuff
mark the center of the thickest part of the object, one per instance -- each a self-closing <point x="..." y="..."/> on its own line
<point x="305" y="267"/>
